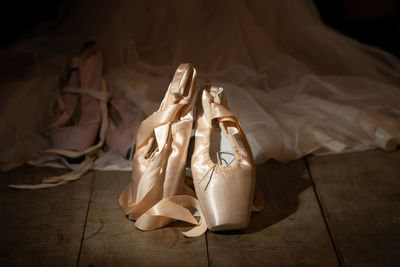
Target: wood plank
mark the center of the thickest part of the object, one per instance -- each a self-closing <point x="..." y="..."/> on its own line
<point x="41" y="227"/>
<point x="290" y="230"/>
<point x="112" y="240"/>
<point x="360" y="193"/>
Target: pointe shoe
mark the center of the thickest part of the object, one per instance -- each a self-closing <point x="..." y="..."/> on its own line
<point x="222" y="164"/>
<point x="75" y="125"/>
<point x="76" y="117"/>
<point x="124" y="121"/>
<point x="153" y="198"/>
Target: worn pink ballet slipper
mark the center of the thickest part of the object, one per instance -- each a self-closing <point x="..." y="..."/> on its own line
<point x="81" y="127"/>
<point x="83" y="134"/>
<point x="124" y="121"/>
<point x="67" y="102"/>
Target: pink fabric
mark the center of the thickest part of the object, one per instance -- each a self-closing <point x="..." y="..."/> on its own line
<point x="66" y="104"/>
<point x="82" y="136"/>
<point x="122" y="139"/>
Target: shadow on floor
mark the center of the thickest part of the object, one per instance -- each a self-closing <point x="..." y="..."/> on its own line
<point x="280" y="185"/>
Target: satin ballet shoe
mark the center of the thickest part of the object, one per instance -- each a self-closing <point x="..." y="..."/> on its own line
<point x="77" y="117"/>
<point x="124" y="121"/>
<point x="80" y="118"/>
<point x="153" y="199"/>
<point x="222" y="164"/>
<point x="86" y="115"/>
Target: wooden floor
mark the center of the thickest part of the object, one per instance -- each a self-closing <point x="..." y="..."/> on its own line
<point x="341" y="210"/>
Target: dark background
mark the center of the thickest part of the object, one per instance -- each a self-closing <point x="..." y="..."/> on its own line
<point x="374" y="22"/>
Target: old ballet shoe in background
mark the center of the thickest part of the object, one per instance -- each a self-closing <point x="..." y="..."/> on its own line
<point x="77" y="122"/>
<point x="125" y="118"/>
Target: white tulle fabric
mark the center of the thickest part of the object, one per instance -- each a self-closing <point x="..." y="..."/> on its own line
<point x="297" y="86"/>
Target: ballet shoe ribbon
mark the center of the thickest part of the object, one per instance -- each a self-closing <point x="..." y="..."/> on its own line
<point x="175" y="100"/>
<point x="150" y="209"/>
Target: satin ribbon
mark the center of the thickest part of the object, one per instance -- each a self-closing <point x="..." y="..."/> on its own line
<point x="150" y="211"/>
<point x="147" y="202"/>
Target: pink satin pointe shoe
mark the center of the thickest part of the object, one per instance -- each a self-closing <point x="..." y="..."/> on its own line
<point x="124" y="121"/>
<point x="88" y="114"/>
<point x="77" y="117"/>
<point x="154" y="199"/>
<point x="222" y="164"/>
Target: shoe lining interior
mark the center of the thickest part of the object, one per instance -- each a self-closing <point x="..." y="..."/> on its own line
<point x="151" y="148"/>
<point x="221" y="151"/>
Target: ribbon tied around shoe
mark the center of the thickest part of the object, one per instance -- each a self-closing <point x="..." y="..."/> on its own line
<point x="156" y="196"/>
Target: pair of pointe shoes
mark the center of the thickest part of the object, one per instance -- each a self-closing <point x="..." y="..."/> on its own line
<point x="222" y="163"/>
<point x="87" y="113"/>
<point x="77" y="115"/>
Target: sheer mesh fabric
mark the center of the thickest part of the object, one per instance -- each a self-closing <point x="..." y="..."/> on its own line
<point x="297" y="86"/>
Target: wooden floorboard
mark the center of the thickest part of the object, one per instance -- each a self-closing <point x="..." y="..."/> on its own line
<point x="360" y="194"/>
<point x="41" y="227"/>
<point x="112" y="240"/>
<point x="290" y="231"/>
